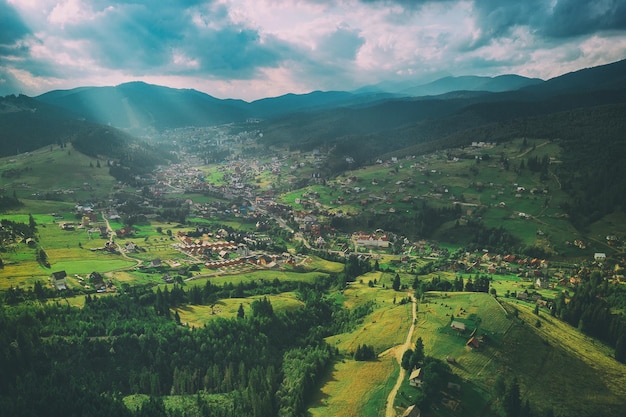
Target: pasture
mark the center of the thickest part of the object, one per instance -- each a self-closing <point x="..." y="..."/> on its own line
<point x="197" y="316"/>
<point x="354" y="388"/>
<point x="65" y="173"/>
<point x="563" y="368"/>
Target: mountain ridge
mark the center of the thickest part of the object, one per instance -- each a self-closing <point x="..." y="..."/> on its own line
<point x="138" y="106"/>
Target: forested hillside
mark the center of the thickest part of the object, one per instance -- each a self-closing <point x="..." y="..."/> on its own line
<point x="116" y="346"/>
<point x="28" y="124"/>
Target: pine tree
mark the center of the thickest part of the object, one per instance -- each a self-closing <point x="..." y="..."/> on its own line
<point x="396" y="283"/>
<point x="241" y="313"/>
<point x="406" y="360"/>
<point x="39" y="291"/>
<point x="31" y="223"/>
<point x="417" y="358"/>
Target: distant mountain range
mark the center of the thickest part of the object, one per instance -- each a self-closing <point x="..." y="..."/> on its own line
<point x="445" y="85"/>
<point x="140" y="108"/>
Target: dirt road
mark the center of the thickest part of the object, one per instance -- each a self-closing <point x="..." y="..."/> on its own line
<point x="398" y="351"/>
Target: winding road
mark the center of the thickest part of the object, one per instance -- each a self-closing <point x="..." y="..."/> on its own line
<point x="398" y="351"/>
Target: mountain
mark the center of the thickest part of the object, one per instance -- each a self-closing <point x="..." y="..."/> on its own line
<point x="604" y="77"/>
<point x="314" y="101"/>
<point x="138" y="105"/>
<point x="27" y="124"/>
<point x="391" y="125"/>
<point x="497" y="84"/>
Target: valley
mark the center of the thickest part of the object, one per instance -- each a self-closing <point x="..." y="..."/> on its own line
<point x="270" y="265"/>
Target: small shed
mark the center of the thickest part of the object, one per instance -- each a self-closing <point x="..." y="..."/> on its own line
<point x="473" y="342"/>
<point x="416" y="379"/>
<point x="412" y="411"/>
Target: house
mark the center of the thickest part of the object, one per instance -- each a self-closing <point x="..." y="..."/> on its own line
<point x="242" y="250"/>
<point x="542" y="283"/>
<point x="416" y="379"/>
<point x="67" y="226"/>
<point x="473" y="342"/>
<point x="412" y="411"/>
<point x="131" y="247"/>
<point x="156" y="263"/>
<point x="125" y="231"/>
<point x="599" y="256"/>
<point x="458" y="326"/>
<point x="372" y="240"/>
<point x="58" y="280"/>
<point x="264" y="260"/>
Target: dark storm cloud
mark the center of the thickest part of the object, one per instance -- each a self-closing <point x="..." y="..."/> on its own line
<point x="564" y="19"/>
<point x="145" y="37"/>
<point x="567" y="18"/>
<point x="235" y="52"/>
<point x="579" y="17"/>
<point x="12" y="31"/>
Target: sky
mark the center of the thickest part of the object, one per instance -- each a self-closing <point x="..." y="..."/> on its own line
<point x="250" y="49"/>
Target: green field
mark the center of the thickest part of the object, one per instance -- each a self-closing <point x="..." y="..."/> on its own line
<point x="65" y="173"/>
<point x="546" y="353"/>
<point x="197" y="316"/>
<point x="355" y="389"/>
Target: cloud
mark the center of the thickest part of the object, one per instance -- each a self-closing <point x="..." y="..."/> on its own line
<point x="241" y="47"/>
<point x="153" y="37"/>
<point x="579" y="17"/>
<point x="13" y="32"/>
<point x="550" y="19"/>
<point x="341" y="44"/>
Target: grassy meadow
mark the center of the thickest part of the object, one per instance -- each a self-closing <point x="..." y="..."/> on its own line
<point x="563" y="368"/>
<point x="538" y="356"/>
<point x="353" y="388"/>
<point x="197" y="316"/>
<point x="64" y="172"/>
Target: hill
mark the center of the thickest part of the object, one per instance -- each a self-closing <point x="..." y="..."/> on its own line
<point x="138" y="105"/>
<point x="141" y="107"/>
<point x="438" y="116"/>
<point x="27" y="124"/>
<point x="497" y="84"/>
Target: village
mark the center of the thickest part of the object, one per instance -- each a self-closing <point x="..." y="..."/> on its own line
<point x="266" y="192"/>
